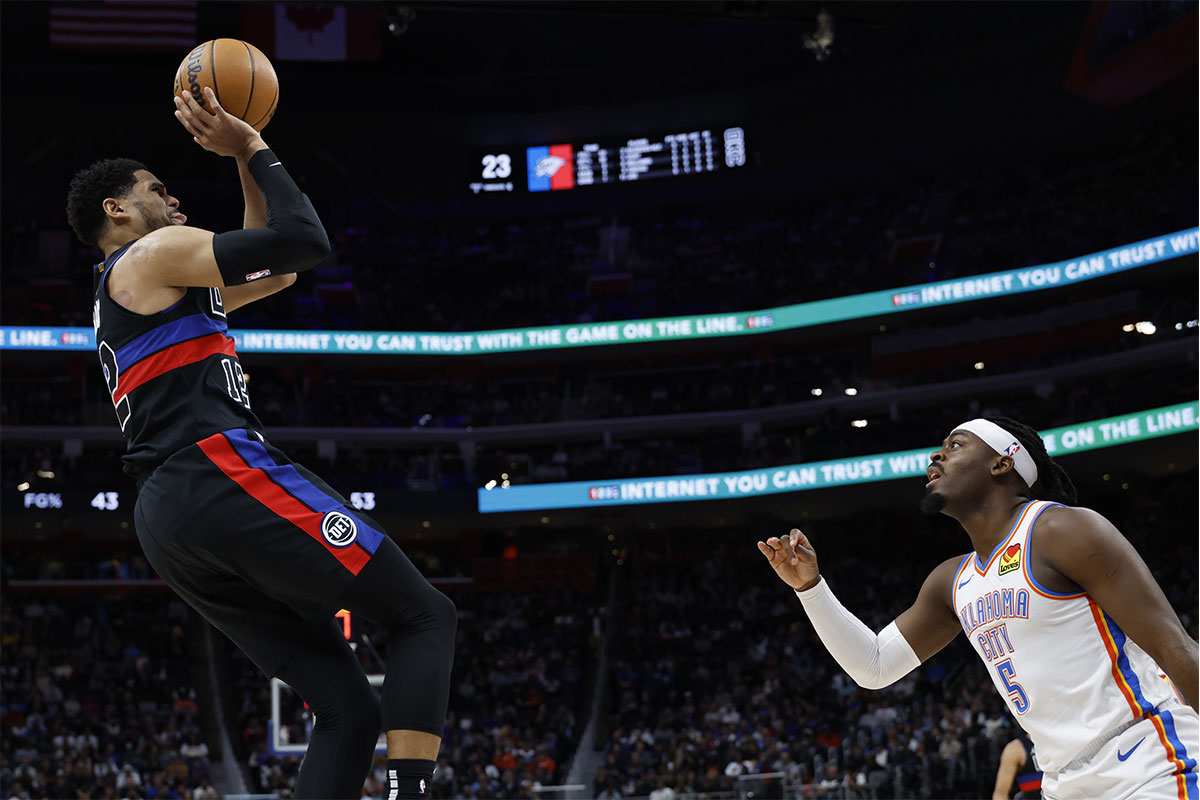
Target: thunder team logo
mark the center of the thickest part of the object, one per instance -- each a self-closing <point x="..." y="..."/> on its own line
<point x="1010" y="560"/>
<point x="550" y="168"/>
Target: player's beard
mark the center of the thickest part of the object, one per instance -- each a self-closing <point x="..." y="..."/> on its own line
<point x="153" y="222"/>
<point x="933" y="503"/>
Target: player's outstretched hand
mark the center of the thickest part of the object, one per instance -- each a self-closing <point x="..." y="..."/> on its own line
<point x="793" y="559"/>
<point x="219" y="132"/>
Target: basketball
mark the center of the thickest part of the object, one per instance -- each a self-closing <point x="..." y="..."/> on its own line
<point x="238" y="73"/>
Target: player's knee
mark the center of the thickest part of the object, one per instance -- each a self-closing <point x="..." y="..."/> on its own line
<point x="442" y="615"/>
<point x="368" y="720"/>
<point x="445" y="612"/>
<point x="361" y="718"/>
<point x="349" y="704"/>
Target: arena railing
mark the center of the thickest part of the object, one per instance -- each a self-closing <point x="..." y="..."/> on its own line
<point x="1181" y="351"/>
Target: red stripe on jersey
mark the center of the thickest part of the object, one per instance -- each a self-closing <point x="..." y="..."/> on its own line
<point x="274" y="497"/>
<point x="1172" y="756"/>
<point x="1000" y="548"/>
<point x="173" y="357"/>
<point x="1111" y="647"/>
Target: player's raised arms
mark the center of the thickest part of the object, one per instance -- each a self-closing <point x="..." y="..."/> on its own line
<point x="293" y="239"/>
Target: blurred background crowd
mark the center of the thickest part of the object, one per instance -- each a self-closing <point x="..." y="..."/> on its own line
<point x="617" y="651"/>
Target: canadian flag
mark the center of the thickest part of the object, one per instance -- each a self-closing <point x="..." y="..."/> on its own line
<point x="313" y="32"/>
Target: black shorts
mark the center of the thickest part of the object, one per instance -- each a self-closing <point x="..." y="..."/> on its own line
<point x="258" y="544"/>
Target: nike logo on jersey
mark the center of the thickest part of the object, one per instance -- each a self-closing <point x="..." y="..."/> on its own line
<point x="964" y="583"/>
<point x="1122" y="756"/>
<point x="276" y="164"/>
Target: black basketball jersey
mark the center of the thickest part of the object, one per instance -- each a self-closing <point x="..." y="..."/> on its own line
<point x="1028" y="781"/>
<point x="173" y="376"/>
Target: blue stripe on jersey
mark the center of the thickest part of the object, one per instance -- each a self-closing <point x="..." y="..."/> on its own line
<point x="1181" y="753"/>
<point x="122" y="250"/>
<point x="295" y="484"/>
<point x="1029" y="565"/>
<point x="192" y="326"/>
<point x="1119" y="639"/>
<point x="981" y="566"/>
<point x="962" y="565"/>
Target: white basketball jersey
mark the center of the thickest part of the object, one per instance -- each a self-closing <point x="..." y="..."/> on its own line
<point x="1070" y="674"/>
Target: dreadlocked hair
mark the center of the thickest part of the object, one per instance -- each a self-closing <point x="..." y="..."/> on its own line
<point x="1053" y="483"/>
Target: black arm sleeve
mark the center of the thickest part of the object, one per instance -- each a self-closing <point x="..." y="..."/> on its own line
<point x="293" y="241"/>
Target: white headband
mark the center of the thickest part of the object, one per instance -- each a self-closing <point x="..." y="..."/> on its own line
<point x="1005" y="444"/>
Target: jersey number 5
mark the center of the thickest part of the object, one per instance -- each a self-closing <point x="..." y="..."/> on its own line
<point x="1016" y="692"/>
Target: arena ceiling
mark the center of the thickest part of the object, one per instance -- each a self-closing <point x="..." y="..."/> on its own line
<point x="522" y="56"/>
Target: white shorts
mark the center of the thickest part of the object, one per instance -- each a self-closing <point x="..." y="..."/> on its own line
<point x="1154" y="758"/>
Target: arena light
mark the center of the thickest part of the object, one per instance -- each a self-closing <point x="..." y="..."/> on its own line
<point x="1127" y="328"/>
<point x="23" y="487"/>
<point x="1191" y="323"/>
<point x="490" y="485"/>
<point x="859" y="423"/>
<point x="45" y="473"/>
<point x="820" y="41"/>
<point x="815" y="392"/>
<point x="851" y="391"/>
<point x="979" y="365"/>
<point x="1146" y="328"/>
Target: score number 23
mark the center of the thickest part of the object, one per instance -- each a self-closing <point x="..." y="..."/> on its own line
<point x="497" y="166"/>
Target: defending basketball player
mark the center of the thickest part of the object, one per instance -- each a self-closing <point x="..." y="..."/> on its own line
<point x="1072" y="627"/>
<point x="1016" y="769"/>
<point x="260" y="546"/>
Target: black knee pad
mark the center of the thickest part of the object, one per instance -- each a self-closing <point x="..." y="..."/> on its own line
<point x="351" y="705"/>
<point x="368" y="716"/>
<point x="443" y="612"/>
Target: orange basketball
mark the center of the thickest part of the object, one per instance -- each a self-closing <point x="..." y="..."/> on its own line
<point x="238" y="73"/>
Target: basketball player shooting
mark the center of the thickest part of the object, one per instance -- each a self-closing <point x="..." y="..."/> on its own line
<point x="256" y="543"/>
<point x="1073" y="629"/>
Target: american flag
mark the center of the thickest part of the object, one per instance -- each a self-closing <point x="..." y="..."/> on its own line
<point x="123" y="25"/>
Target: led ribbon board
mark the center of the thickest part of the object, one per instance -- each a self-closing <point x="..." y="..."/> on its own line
<point x="555" y="337"/>
<point x="822" y="474"/>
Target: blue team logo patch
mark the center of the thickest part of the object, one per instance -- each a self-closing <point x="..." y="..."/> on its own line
<point x="339" y="529"/>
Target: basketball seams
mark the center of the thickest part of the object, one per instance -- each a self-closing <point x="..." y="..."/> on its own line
<point x="240" y="77"/>
<point x="212" y="67"/>
<point x="253" y="69"/>
<point x="270" y="110"/>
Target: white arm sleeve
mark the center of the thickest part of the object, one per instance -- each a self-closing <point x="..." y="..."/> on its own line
<point x="872" y="661"/>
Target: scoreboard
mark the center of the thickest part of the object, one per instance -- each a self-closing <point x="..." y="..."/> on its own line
<point x="568" y="165"/>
